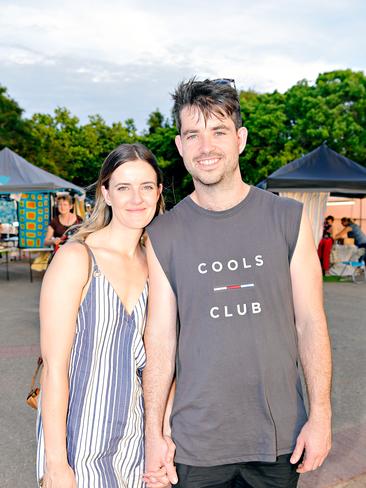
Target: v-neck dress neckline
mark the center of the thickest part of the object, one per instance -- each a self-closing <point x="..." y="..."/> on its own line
<point x="141" y="295"/>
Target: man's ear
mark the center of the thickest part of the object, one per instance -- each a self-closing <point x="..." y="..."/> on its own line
<point x="242" y="138"/>
<point x="178" y="143"/>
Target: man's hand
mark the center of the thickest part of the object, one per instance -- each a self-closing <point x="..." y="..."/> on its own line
<point x="159" y="463"/>
<point x="314" y="441"/>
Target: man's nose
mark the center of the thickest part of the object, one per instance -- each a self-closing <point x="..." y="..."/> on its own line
<point x="206" y="143"/>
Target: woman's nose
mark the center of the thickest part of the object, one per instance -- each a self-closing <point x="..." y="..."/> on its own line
<point x="136" y="196"/>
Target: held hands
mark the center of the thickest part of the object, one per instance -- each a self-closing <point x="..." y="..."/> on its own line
<point x="60" y="477"/>
<point x="314" y="441"/>
<point x="160" y="469"/>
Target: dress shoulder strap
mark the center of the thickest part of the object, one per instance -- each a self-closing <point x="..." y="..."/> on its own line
<point x="92" y="261"/>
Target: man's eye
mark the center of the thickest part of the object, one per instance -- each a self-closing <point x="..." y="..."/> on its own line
<point x="191" y="136"/>
<point x="220" y="133"/>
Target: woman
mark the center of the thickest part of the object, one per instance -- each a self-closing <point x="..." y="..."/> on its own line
<point x="62" y="222"/>
<point x="354" y="231"/>
<point x="93" y="304"/>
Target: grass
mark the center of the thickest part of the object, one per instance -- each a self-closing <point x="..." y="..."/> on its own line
<point x="333" y="278"/>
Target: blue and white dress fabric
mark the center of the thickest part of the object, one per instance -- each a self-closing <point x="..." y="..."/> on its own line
<point x="105" y="413"/>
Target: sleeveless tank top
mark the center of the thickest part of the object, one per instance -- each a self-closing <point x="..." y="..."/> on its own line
<point x="238" y="391"/>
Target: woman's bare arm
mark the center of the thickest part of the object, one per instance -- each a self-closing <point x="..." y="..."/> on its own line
<point x="60" y="299"/>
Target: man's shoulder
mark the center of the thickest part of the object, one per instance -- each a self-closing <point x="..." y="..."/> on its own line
<point x="274" y="201"/>
<point x="169" y="218"/>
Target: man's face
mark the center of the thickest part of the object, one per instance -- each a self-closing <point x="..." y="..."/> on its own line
<point x="210" y="148"/>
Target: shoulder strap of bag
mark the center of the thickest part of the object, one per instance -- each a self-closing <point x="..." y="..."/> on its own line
<point x="36" y="371"/>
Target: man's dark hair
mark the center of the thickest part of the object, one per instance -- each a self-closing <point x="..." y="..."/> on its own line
<point x="210" y="97"/>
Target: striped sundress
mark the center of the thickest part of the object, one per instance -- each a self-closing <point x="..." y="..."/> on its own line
<point x="105" y="412"/>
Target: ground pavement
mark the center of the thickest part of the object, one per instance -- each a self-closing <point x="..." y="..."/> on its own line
<point x="19" y="336"/>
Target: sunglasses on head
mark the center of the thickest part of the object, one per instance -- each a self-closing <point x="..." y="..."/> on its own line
<point x="225" y="81"/>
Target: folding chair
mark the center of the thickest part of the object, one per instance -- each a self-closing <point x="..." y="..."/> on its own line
<point x="358" y="270"/>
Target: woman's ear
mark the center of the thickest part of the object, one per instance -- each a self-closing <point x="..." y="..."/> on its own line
<point x="105" y="194"/>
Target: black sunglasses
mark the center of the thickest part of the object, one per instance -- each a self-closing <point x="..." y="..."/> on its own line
<point x="225" y="81"/>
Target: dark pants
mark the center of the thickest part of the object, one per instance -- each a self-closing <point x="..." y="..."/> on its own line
<point x="363" y="257"/>
<point x="279" y="474"/>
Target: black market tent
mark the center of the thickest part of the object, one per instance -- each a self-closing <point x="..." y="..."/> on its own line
<point x="18" y="175"/>
<point x="322" y="170"/>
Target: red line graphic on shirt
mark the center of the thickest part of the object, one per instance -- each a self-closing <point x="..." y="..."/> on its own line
<point x="234" y="287"/>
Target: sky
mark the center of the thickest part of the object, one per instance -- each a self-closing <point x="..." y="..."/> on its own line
<point x="122" y="59"/>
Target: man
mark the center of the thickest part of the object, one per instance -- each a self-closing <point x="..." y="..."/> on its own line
<point x="240" y="268"/>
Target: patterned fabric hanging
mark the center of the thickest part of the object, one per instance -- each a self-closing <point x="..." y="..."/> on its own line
<point x="34" y="216"/>
<point x="8" y="212"/>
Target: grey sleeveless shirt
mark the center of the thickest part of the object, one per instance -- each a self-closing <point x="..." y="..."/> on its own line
<point x="238" y="394"/>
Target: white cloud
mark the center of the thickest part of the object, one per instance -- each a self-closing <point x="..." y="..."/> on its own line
<point x="116" y="46"/>
<point x="20" y="55"/>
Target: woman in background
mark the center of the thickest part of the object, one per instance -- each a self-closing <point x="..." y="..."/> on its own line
<point x="354" y="231"/>
<point x="93" y="309"/>
<point x="60" y="224"/>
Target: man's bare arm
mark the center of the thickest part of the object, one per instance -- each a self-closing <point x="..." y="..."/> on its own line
<point x="314" y="349"/>
<point x="160" y="342"/>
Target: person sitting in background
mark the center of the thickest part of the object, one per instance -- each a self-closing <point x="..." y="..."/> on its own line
<point x="354" y="231"/>
<point x="326" y="243"/>
<point x="60" y="224"/>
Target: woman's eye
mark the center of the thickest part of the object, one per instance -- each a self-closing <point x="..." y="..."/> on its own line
<point x="122" y="188"/>
<point x="148" y="187"/>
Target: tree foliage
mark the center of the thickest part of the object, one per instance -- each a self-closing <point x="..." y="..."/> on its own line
<point x="282" y="127"/>
<point x="14" y="130"/>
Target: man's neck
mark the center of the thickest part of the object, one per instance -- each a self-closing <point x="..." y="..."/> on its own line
<point x="220" y="197"/>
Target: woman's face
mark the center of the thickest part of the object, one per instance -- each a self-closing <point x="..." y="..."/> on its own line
<point x="64" y="206"/>
<point x="133" y="194"/>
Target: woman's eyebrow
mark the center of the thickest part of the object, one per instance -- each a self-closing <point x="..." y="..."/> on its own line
<point x="130" y="184"/>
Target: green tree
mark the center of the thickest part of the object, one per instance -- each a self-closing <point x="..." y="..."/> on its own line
<point x="14" y="130"/>
<point x="264" y="117"/>
<point x="282" y="127"/>
<point x="73" y="151"/>
<point x="155" y="121"/>
<point x="332" y="110"/>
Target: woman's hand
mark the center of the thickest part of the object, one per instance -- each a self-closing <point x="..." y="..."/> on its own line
<point x="60" y="477"/>
<point x="56" y="241"/>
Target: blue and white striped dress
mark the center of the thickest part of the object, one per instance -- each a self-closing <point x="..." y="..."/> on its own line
<point x="105" y="413"/>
